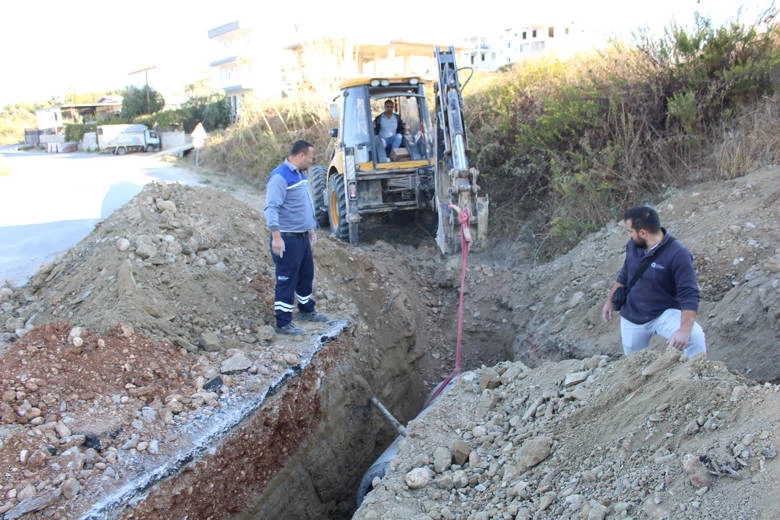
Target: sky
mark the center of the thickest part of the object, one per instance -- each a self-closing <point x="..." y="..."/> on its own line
<point x="51" y="47"/>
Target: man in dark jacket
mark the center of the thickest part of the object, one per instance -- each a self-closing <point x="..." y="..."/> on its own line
<point x="389" y="127"/>
<point x="289" y="212"/>
<point x="665" y="298"/>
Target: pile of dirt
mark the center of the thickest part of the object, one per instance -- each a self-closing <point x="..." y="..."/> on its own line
<point x="161" y="317"/>
<point x="165" y="311"/>
<point x="731" y="229"/>
<point x="647" y="436"/>
<point x="151" y="324"/>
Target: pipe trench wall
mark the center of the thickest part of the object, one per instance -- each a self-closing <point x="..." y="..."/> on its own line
<point x="300" y="455"/>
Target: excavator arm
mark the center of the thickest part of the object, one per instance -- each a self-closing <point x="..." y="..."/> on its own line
<point x="458" y="204"/>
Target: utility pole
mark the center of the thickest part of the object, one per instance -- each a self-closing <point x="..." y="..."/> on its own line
<point x="146" y="74"/>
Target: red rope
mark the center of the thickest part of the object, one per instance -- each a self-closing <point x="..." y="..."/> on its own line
<point x="464" y="216"/>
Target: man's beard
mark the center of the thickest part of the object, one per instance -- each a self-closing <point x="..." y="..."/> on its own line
<point x="641" y="242"/>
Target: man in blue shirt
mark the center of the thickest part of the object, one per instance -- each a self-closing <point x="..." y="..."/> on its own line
<point x="665" y="298"/>
<point x="289" y="213"/>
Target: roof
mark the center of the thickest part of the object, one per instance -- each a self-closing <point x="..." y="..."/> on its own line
<point x="404" y="81"/>
<point x="102" y="102"/>
<point x="232" y="27"/>
<point x="134" y="129"/>
<point x="223" y="61"/>
<point x="400" y="47"/>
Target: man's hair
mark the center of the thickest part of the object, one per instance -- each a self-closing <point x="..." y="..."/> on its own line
<point x="643" y="217"/>
<point x="300" y="146"/>
<point x="389" y="101"/>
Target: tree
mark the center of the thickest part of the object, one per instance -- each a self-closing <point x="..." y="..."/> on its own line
<point x="139" y="101"/>
<point x="213" y="110"/>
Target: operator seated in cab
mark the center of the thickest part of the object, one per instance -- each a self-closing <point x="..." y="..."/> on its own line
<point x="389" y="127"/>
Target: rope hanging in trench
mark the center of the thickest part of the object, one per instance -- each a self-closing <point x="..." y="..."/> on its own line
<point x="464" y="215"/>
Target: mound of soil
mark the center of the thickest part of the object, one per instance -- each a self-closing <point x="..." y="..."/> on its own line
<point x="164" y="312"/>
<point x="647" y="436"/>
<point x="608" y="436"/>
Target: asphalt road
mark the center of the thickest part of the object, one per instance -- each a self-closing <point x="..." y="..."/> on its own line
<point x="49" y="202"/>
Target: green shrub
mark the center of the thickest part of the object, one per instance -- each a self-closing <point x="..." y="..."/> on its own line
<point x="582" y="139"/>
<point x="75" y="132"/>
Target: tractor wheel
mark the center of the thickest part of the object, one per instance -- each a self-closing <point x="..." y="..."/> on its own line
<point x="318" y="184"/>
<point x="121" y="150"/>
<point x="337" y="207"/>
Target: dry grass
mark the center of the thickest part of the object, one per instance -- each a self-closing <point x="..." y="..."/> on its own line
<point x="752" y="141"/>
<point x="253" y="146"/>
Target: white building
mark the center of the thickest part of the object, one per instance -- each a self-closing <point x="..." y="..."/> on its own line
<point x="515" y="44"/>
<point x="240" y="67"/>
<point x="245" y="67"/>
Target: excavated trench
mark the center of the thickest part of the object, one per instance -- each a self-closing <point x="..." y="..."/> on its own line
<point x="302" y="453"/>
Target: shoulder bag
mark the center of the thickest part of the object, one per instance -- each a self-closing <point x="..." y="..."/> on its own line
<point x="621" y="293"/>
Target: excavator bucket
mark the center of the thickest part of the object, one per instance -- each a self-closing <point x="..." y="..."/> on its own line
<point x="456" y="180"/>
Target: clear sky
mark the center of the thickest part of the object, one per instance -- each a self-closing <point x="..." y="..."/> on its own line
<point x="48" y="46"/>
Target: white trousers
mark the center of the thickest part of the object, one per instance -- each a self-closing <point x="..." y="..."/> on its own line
<point x="637" y="337"/>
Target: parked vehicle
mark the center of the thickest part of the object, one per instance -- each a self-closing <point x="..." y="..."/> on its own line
<point x="130" y="138"/>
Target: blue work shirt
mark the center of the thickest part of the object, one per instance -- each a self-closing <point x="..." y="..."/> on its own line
<point x="668" y="283"/>
<point x="289" y="206"/>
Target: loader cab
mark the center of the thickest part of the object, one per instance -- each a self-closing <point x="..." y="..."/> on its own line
<point x="360" y="180"/>
<point x="413" y="146"/>
<point x="363" y="100"/>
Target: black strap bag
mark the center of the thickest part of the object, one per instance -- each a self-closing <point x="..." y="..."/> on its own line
<point x="621" y="293"/>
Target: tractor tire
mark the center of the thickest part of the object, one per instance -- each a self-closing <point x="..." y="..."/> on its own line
<point x="337" y="207"/>
<point x="319" y="175"/>
<point x="121" y="150"/>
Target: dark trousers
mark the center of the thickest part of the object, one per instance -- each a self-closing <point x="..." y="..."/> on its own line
<point x="294" y="277"/>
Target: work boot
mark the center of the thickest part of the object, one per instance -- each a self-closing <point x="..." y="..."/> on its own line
<point x="291" y="329"/>
<point x="312" y="316"/>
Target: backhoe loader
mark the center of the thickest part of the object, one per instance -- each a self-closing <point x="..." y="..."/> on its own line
<point x="428" y="173"/>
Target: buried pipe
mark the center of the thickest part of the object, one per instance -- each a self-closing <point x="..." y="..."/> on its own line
<point x="400" y="428"/>
<point x="379" y="468"/>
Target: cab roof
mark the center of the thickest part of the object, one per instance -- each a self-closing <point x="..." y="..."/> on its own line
<point x="396" y="81"/>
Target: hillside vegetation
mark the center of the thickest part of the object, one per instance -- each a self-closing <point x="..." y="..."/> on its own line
<point x="568" y="144"/>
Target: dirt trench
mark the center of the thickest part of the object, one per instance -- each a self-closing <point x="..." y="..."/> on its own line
<point x="303" y="454"/>
<point x="112" y="350"/>
<point x="154" y="302"/>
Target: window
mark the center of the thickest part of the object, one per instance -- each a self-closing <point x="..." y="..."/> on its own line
<point x="551" y="32"/>
<point x="356" y="118"/>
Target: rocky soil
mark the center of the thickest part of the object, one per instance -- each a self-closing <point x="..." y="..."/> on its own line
<point x="644" y="437"/>
<point x="162" y="317"/>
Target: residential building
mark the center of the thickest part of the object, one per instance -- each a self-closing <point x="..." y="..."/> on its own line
<point x="53" y="119"/>
<point x="242" y="66"/>
<point x="525" y="41"/>
<point x="245" y="68"/>
<point x="323" y="63"/>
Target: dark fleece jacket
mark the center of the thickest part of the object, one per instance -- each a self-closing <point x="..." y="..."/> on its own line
<point x="669" y="283"/>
